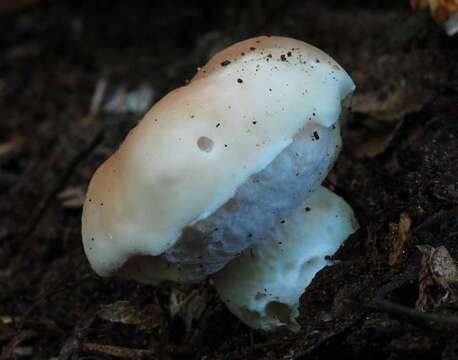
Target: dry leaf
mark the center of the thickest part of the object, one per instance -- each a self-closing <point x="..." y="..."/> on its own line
<point x="11" y="144"/>
<point x="371" y="137"/>
<point x="443" y="267"/>
<point x="125" y="313"/>
<point x="6" y="320"/>
<point x="391" y="102"/>
<point x="418" y="5"/>
<point x="438" y="278"/>
<point x="109" y="98"/>
<point x="425" y="300"/>
<point x="384" y="110"/>
<point x="441" y="10"/>
<point x="377" y="145"/>
<point x="121" y="312"/>
<point x="401" y="237"/>
<point x="189" y="307"/>
<point x="71" y="197"/>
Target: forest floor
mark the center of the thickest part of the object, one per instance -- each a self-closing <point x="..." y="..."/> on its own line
<point x="393" y="292"/>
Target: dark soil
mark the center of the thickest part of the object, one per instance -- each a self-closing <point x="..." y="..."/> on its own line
<point x="399" y="166"/>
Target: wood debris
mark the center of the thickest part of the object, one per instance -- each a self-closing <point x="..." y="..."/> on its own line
<point x="401" y="233"/>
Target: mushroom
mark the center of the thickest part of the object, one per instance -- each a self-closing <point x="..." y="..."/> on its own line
<point x="262" y="287"/>
<point x="215" y="165"/>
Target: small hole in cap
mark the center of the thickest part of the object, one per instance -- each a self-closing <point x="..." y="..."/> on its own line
<point x="205" y="144"/>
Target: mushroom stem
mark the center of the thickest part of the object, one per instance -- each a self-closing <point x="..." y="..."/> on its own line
<point x="262" y="287"/>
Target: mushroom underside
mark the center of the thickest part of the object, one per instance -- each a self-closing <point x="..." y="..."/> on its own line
<point x="256" y="209"/>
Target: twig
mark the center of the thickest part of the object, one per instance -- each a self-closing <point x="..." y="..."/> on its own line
<point x="8" y="350"/>
<point x="117" y="351"/>
<point x="435" y="322"/>
<point x="396" y="283"/>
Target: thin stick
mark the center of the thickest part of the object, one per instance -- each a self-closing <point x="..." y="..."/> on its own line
<point x="118" y="351"/>
<point x="432" y="321"/>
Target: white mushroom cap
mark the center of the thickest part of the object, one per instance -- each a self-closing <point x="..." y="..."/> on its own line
<point x="262" y="287"/>
<point x="187" y="188"/>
